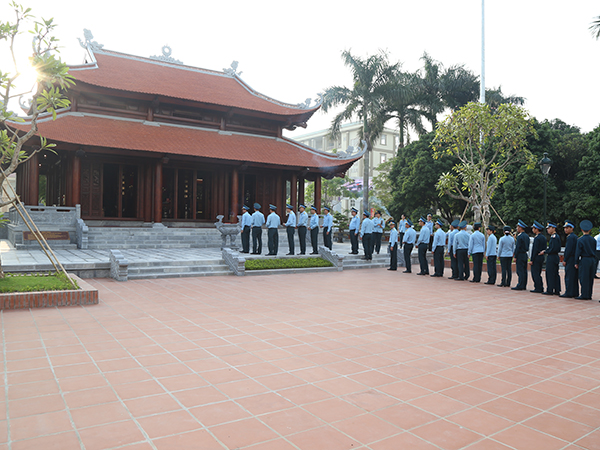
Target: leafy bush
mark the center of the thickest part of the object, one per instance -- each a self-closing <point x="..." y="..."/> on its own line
<point x="287" y="263"/>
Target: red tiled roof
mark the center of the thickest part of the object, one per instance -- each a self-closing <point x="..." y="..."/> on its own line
<point x="142" y="75"/>
<point x="92" y="130"/>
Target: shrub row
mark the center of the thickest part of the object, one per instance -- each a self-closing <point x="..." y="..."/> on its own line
<point x="286" y="263"/>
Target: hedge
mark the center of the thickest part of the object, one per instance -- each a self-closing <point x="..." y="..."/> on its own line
<point x="287" y="263"/>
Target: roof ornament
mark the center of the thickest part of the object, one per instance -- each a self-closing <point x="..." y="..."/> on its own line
<point x="232" y="70"/>
<point x="88" y="36"/>
<point x="308" y="101"/>
<point x="353" y="152"/>
<point x="166" y="56"/>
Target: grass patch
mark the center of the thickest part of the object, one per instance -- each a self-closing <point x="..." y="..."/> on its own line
<point x="31" y="282"/>
<point x="287" y="263"/>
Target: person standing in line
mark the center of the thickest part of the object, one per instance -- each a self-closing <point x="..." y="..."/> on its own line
<point x="302" y="224"/>
<point x="246" y="226"/>
<point x="273" y="222"/>
<point x="537" y="257"/>
<point x="314" y="230"/>
<point x="290" y="227"/>
<point x="439" y="241"/>
<point x="410" y="236"/>
<point x="378" y="224"/>
<point x="327" y="228"/>
<point x="429" y="224"/>
<point x="461" y="252"/>
<point x="552" y="261"/>
<point x="353" y="230"/>
<point x="453" y="262"/>
<point x="491" y="254"/>
<point x="585" y="260"/>
<point x="521" y="251"/>
<point x="476" y="250"/>
<point x="423" y="246"/>
<point x="597" y="254"/>
<point x="571" y="275"/>
<point x="366" y="233"/>
<point x="401" y="228"/>
<point x="258" y="220"/>
<point x="506" y="251"/>
<point x="393" y="246"/>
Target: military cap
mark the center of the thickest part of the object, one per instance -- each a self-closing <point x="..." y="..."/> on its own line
<point x="507" y="228"/>
<point x="366" y="213"/>
<point x="378" y="212"/>
<point x="537" y="225"/>
<point x="439" y="222"/>
<point x="257" y="206"/>
<point x="327" y="208"/>
<point x="391" y="222"/>
<point x="288" y="206"/>
<point x="491" y="227"/>
<point x="422" y="220"/>
<point x="462" y="224"/>
<point x="246" y="207"/>
<point x="585" y="225"/>
<point x="568" y="224"/>
<point x="408" y="221"/>
<point x="273" y="207"/>
<point x="521" y="224"/>
<point x="354" y="210"/>
<point x="302" y="206"/>
<point x="455" y="223"/>
<point x="551" y="224"/>
<point x="313" y="207"/>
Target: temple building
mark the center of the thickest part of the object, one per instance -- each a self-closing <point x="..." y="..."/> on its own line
<point x="151" y="140"/>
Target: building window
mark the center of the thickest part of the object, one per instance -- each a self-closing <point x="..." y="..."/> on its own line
<point x="382" y="158"/>
<point x="383" y="139"/>
<point x="352" y="203"/>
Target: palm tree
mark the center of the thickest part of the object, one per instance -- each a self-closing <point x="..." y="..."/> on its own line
<point x="365" y="100"/>
<point x="595" y="27"/>
<point x="495" y="97"/>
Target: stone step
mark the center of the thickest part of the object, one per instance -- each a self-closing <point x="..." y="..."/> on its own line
<point x="290" y="271"/>
<point x="155" y="275"/>
<point x="176" y="269"/>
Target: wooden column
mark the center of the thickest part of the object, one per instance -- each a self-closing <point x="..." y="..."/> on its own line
<point x="278" y="195"/>
<point x="294" y="191"/>
<point x="318" y="193"/>
<point x="301" y="192"/>
<point x="34" y="180"/>
<point x="147" y="170"/>
<point x="76" y="183"/>
<point x="235" y="195"/>
<point x="158" y="191"/>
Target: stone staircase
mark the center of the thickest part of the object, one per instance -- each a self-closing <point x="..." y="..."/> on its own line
<point x="175" y="269"/>
<point x="357" y="261"/>
<point x="147" y="238"/>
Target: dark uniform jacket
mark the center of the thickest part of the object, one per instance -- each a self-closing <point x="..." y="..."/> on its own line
<point x="522" y="244"/>
<point x="586" y="246"/>
<point x="570" y="248"/>
<point x="539" y="245"/>
<point x="553" y="245"/>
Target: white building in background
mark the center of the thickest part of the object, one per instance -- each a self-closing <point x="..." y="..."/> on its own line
<point x="384" y="148"/>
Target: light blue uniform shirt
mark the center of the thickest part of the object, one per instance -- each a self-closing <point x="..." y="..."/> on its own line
<point x="393" y="237"/>
<point x="402" y="226"/>
<point x="303" y="219"/>
<point x="377" y="224"/>
<point x="258" y="219"/>
<point x="506" y="246"/>
<point x="246" y="220"/>
<point x="490" y="249"/>
<point x="314" y="221"/>
<point x="430" y="226"/>
<point x="461" y="240"/>
<point x="273" y="220"/>
<point x="597" y="242"/>
<point x="424" y="236"/>
<point x="476" y="243"/>
<point x="291" y="220"/>
<point x="354" y="224"/>
<point x="409" y="236"/>
<point x="451" y="236"/>
<point x="439" y="239"/>
<point x="328" y="221"/>
<point x="366" y="227"/>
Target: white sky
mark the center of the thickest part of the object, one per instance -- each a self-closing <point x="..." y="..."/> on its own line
<point x="538" y="49"/>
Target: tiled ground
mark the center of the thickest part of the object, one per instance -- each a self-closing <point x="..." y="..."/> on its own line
<point x="365" y="359"/>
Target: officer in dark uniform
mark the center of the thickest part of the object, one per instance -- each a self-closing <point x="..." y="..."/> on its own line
<point x="410" y="237"/>
<point x="521" y="250"/>
<point x="246" y="226"/>
<point x="393" y="246"/>
<point x="552" y="261"/>
<point x="571" y="275"/>
<point x="302" y="224"/>
<point x="536" y="261"/>
<point x="451" y="236"/>
<point x="585" y="260"/>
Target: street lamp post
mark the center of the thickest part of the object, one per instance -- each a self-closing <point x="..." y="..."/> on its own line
<point x="545" y="164"/>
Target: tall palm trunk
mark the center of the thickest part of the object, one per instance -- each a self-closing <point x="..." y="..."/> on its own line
<point x="366" y="165"/>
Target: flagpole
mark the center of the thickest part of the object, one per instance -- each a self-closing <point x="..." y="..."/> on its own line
<point x="482" y="92"/>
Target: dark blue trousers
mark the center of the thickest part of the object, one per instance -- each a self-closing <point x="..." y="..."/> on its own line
<point x="587" y="270"/>
<point x="571" y="278"/>
<point x="552" y="278"/>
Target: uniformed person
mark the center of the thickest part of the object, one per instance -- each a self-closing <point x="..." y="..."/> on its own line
<point x="423" y="246"/>
<point x="451" y="236"/>
<point x="401" y="228"/>
<point x="314" y="230"/>
<point x="521" y="250"/>
<point x="552" y="261"/>
<point x="246" y="226"/>
<point x="353" y="230"/>
<point x="536" y="261"/>
<point x="571" y="273"/>
<point x="585" y="260"/>
<point x="273" y="222"/>
<point x="410" y="236"/>
<point x="506" y="252"/>
<point x="476" y="250"/>
<point x="490" y="255"/>
<point x="302" y="224"/>
<point x="439" y="242"/>
<point x="366" y="233"/>
<point x="393" y="246"/>
<point x="258" y="220"/>
<point x="378" y="224"/>
<point x="597" y="255"/>
<point x="327" y="228"/>
<point x="461" y="252"/>
<point x="290" y="225"/>
<point x="429" y="224"/>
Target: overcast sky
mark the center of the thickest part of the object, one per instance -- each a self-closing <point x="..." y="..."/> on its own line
<point x="540" y="50"/>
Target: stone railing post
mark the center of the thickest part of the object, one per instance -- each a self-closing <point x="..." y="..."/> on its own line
<point x="119" y="266"/>
<point x="235" y="261"/>
<point x="332" y="257"/>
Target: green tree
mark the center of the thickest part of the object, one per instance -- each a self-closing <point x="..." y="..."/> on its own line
<point x="595" y="27"/>
<point x="332" y="190"/>
<point x="365" y="100"/>
<point x="486" y="144"/>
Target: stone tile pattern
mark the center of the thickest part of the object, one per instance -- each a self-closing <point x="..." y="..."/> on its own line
<point x="363" y="359"/>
